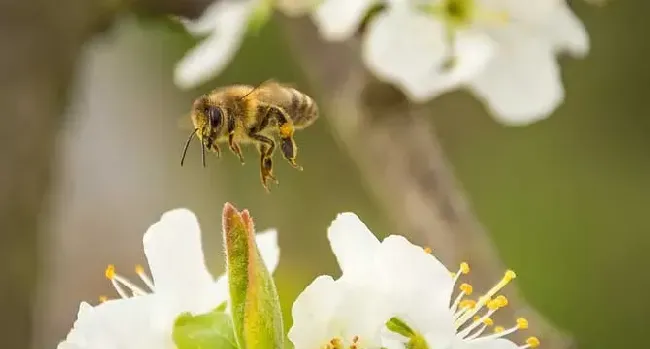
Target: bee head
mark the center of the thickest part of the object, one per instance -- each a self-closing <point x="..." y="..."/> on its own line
<point x="207" y="117"/>
<point x="208" y="122"/>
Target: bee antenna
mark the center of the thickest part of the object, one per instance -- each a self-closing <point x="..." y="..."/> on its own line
<point x="187" y="144"/>
<point x="254" y="89"/>
<point x="203" y="154"/>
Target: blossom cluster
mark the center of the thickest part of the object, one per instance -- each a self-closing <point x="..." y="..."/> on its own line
<point x="392" y="294"/>
<point x="503" y="51"/>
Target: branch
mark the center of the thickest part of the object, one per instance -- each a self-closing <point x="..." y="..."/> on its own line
<point x="403" y="164"/>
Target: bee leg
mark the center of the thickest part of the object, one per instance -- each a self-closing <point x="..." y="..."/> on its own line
<point x="266" y="147"/>
<point x="287" y="144"/>
<point x="234" y="146"/>
<point x="213" y="147"/>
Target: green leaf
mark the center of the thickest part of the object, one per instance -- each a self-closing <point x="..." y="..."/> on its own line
<point x="213" y="330"/>
<point x="256" y="314"/>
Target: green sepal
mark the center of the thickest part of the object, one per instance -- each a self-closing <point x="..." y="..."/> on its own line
<point x="415" y="340"/>
<point x="205" y="331"/>
<point x="256" y="313"/>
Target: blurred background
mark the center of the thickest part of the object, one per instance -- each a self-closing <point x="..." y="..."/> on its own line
<point x="564" y="200"/>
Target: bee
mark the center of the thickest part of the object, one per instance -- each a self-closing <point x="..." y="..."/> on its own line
<point x="264" y="115"/>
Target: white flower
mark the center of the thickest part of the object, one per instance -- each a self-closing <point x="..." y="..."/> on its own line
<point x="143" y="318"/>
<point x="225" y="22"/>
<point x="504" y="51"/>
<point x="400" y="280"/>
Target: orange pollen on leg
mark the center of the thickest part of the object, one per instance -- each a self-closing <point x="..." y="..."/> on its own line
<point x="286" y="130"/>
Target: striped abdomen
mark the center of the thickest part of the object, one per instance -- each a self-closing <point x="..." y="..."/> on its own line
<point x="302" y="109"/>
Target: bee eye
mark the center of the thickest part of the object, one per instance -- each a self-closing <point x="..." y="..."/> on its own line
<point x="214" y="115"/>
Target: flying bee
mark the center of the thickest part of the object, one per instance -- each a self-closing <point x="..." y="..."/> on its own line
<point x="243" y="114"/>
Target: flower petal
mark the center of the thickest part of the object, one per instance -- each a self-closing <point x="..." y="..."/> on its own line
<point x="567" y="32"/>
<point x="418" y="286"/>
<point x="267" y="243"/>
<point x="472" y="52"/>
<point x="409" y="48"/>
<point x="329" y="309"/>
<point x="213" y="15"/>
<point x="173" y="249"/>
<point x="120" y="323"/>
<point x="339" y="19"/>
<point x="312" y="311"/>
<point x="212" y="55"/>
<point x="522" y="84"/>
<point x="353" y="244"/>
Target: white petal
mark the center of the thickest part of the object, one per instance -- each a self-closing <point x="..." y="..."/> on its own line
<point x="175" y="256"/>
<point x="329" y="309"/>
<point x="473" y="51"/>
<point x="312" y="312"/>
<point x="522" y="84"/>
<point x="353" y="244"/>
<point x="121" y="323"/>
<point x="340" y="19"/>
<point x="267" y="243"/>
<point x="213" y="15"/>
<point x="212" y="55"/>
<point x="406" y="48"/>
<point x="418" y="286"/>
<point x="567" y="32"/>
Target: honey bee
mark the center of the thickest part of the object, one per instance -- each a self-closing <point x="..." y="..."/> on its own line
<point x="243" y="114"/>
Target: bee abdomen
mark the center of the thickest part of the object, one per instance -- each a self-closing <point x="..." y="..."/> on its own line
<point x="304" y="110"/>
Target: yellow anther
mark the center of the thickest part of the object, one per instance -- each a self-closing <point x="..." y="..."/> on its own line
<point x="493" y="304"/>
<point x="522" y="323"/>
<point x="502" y="300"/>
<point x="499" y="329"/>
<point x="139" y="269"/>
<point x="103" y="299"/>
<point x="464" y="268"/>
<point x="488" y="321"/>
<point x="110" y="272"/>
<point x="467" y="303"/>
<point x="510" y="275"/>
<point x="466" y="288"/>
<point x="476" y="318"/>
<point x="533" y="342"/>
<point x="427" y="250"/>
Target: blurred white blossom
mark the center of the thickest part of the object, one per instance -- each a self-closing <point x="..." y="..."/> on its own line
<point x="504" y="51"/>
<point x="143" y="318"/>
<point x="224" y="25"/>
<point x="395" y="281"/>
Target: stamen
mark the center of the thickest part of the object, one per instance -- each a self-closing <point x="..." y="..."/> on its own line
<point x="531" y="342"/>
<point x="427" y="250"/>
<point x="118" y="281"/>
<point x="465" y="290"/>
<point x="463" y="269"/>
<point x="522" y="324"/>
<point x="482" y="301"/>
<point x="144" y="277"/>
<point x="103" y="299"/>
<point x="110" y="274"/>
<point x="493" y="306"/>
